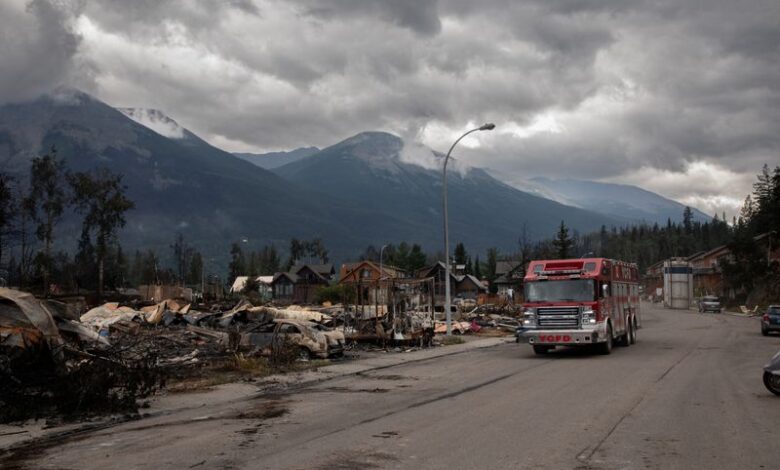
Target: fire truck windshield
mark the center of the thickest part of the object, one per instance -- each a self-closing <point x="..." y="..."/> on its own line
<point x="573" y="290"/>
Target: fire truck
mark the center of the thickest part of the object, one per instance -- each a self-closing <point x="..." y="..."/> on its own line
<point x="580" y="302"/>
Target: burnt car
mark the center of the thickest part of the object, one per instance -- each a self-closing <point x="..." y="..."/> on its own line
<point x="770" y="321"/>
<point x="709" y="303"/>
<point x="312" y="339"/>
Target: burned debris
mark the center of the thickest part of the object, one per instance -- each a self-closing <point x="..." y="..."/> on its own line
<point x="52" y="364"/>
<point x="114" y="354"/>
<point x="55" y="362"/>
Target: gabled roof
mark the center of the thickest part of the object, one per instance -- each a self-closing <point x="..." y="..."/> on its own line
<point x="347" y="269"/>
<point x="697" y="255"/>
<point x="429" y="272"/>
<point x="291" y="276"/>
<point x="505" y="267"/>
<point x="325" y="270"/>
<point x="473" y="279"/>
<point x="506" y="279"/>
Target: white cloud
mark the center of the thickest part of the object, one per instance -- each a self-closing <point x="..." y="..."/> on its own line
<point x="700" y="184"/>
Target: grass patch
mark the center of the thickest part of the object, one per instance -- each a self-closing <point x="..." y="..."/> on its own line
<point x="237" y="368"/>
<point x="450" y="340"/>
<point x="255" y="366"/>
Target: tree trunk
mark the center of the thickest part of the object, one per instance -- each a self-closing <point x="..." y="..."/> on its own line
<point x="47" y="260"/>
<point x="23" y="260"/>
<point x="100" y="277"/>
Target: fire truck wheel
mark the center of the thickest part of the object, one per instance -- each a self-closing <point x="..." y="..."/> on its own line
<point x="632" y="337"/>
<point x="606" y="347"/>
<point x="541" y="350"/>
<point x="624" y="340"/>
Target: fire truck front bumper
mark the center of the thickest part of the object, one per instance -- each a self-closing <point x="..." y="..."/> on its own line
<point x="592" y="335"/>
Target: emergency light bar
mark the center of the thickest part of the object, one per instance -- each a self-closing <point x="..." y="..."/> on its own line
<point x="562" y="271"/>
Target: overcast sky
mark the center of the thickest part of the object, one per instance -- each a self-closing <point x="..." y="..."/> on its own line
<point x="681" y="97"/>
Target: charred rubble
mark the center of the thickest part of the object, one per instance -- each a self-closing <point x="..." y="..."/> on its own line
<point x="55" y="362"/>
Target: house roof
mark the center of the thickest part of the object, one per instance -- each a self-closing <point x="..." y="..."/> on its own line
<point x="348" y="269"/>
<point x="504" y="267"/>
<point x="506" y="279"/>
<point x="240" y="282"/>
<point x="326" y="269"/>
<point x="473" y="279"/>
<point x="291" y="276"/>
<point x="428" y="272"/>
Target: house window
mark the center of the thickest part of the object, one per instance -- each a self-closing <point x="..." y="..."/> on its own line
<point x="365" y="273"/>
<point x="285" y="289"/>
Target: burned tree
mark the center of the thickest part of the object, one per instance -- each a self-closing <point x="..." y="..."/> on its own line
<point x="100" y="197"/>
<point x="182" y="256"/>
<point x="7" y="212"/>
<point x="48" y="198"/>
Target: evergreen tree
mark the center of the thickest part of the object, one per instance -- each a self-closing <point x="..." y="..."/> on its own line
<point x="562" y="242"/>
<point x="477" y="268"/>
<point x="460" y="254"/>
<point x="490" y="269"/>
<point x="416" y="259"/>
<point x="252" y="265"/>
<point x="195" y="273"/>
<point x="182" y="254"/>
<point x="268" y="261"/>
<point x="237" y="266"/>
<point x="688" y="220"/>
<point x="370" y="254"/>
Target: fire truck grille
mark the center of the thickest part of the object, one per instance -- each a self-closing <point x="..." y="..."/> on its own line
<point x="558" y="317"/>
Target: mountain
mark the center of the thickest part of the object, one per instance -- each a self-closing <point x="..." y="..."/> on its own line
<point x="368" y="189"/>
<point x="276" y="159"/>
<point x="377" y="172"/>
<point x="178" y="184"/>
<point x="626" y="202"/>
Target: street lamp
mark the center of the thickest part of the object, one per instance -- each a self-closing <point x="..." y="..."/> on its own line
<point x="447" y="307"/>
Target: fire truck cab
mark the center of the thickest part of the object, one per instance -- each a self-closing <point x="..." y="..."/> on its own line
<point x="580" y="302"/>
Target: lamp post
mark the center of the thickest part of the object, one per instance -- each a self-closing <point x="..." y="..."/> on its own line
<point x="447" y="306"/>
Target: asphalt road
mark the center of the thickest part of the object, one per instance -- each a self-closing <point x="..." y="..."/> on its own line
<point x="687" y="395"/>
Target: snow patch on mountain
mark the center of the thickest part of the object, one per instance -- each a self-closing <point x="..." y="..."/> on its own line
<point x="155" y="120"/>
<point x="415" y="153"/>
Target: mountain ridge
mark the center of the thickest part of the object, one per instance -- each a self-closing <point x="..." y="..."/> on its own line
<point x="369" y="168"/>
<point x="634" y="204"/>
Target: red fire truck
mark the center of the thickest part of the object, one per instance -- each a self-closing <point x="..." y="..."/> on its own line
<point x="578" y="302"/>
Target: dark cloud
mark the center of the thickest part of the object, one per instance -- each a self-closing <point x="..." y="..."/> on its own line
<point x="38" y="48"/>
<point x="420" y="16"/>
<point x="645" y="91"/>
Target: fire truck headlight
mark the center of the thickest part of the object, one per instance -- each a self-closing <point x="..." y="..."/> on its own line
<point x="529" y="318"/>
<point x="588" y="317"/>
